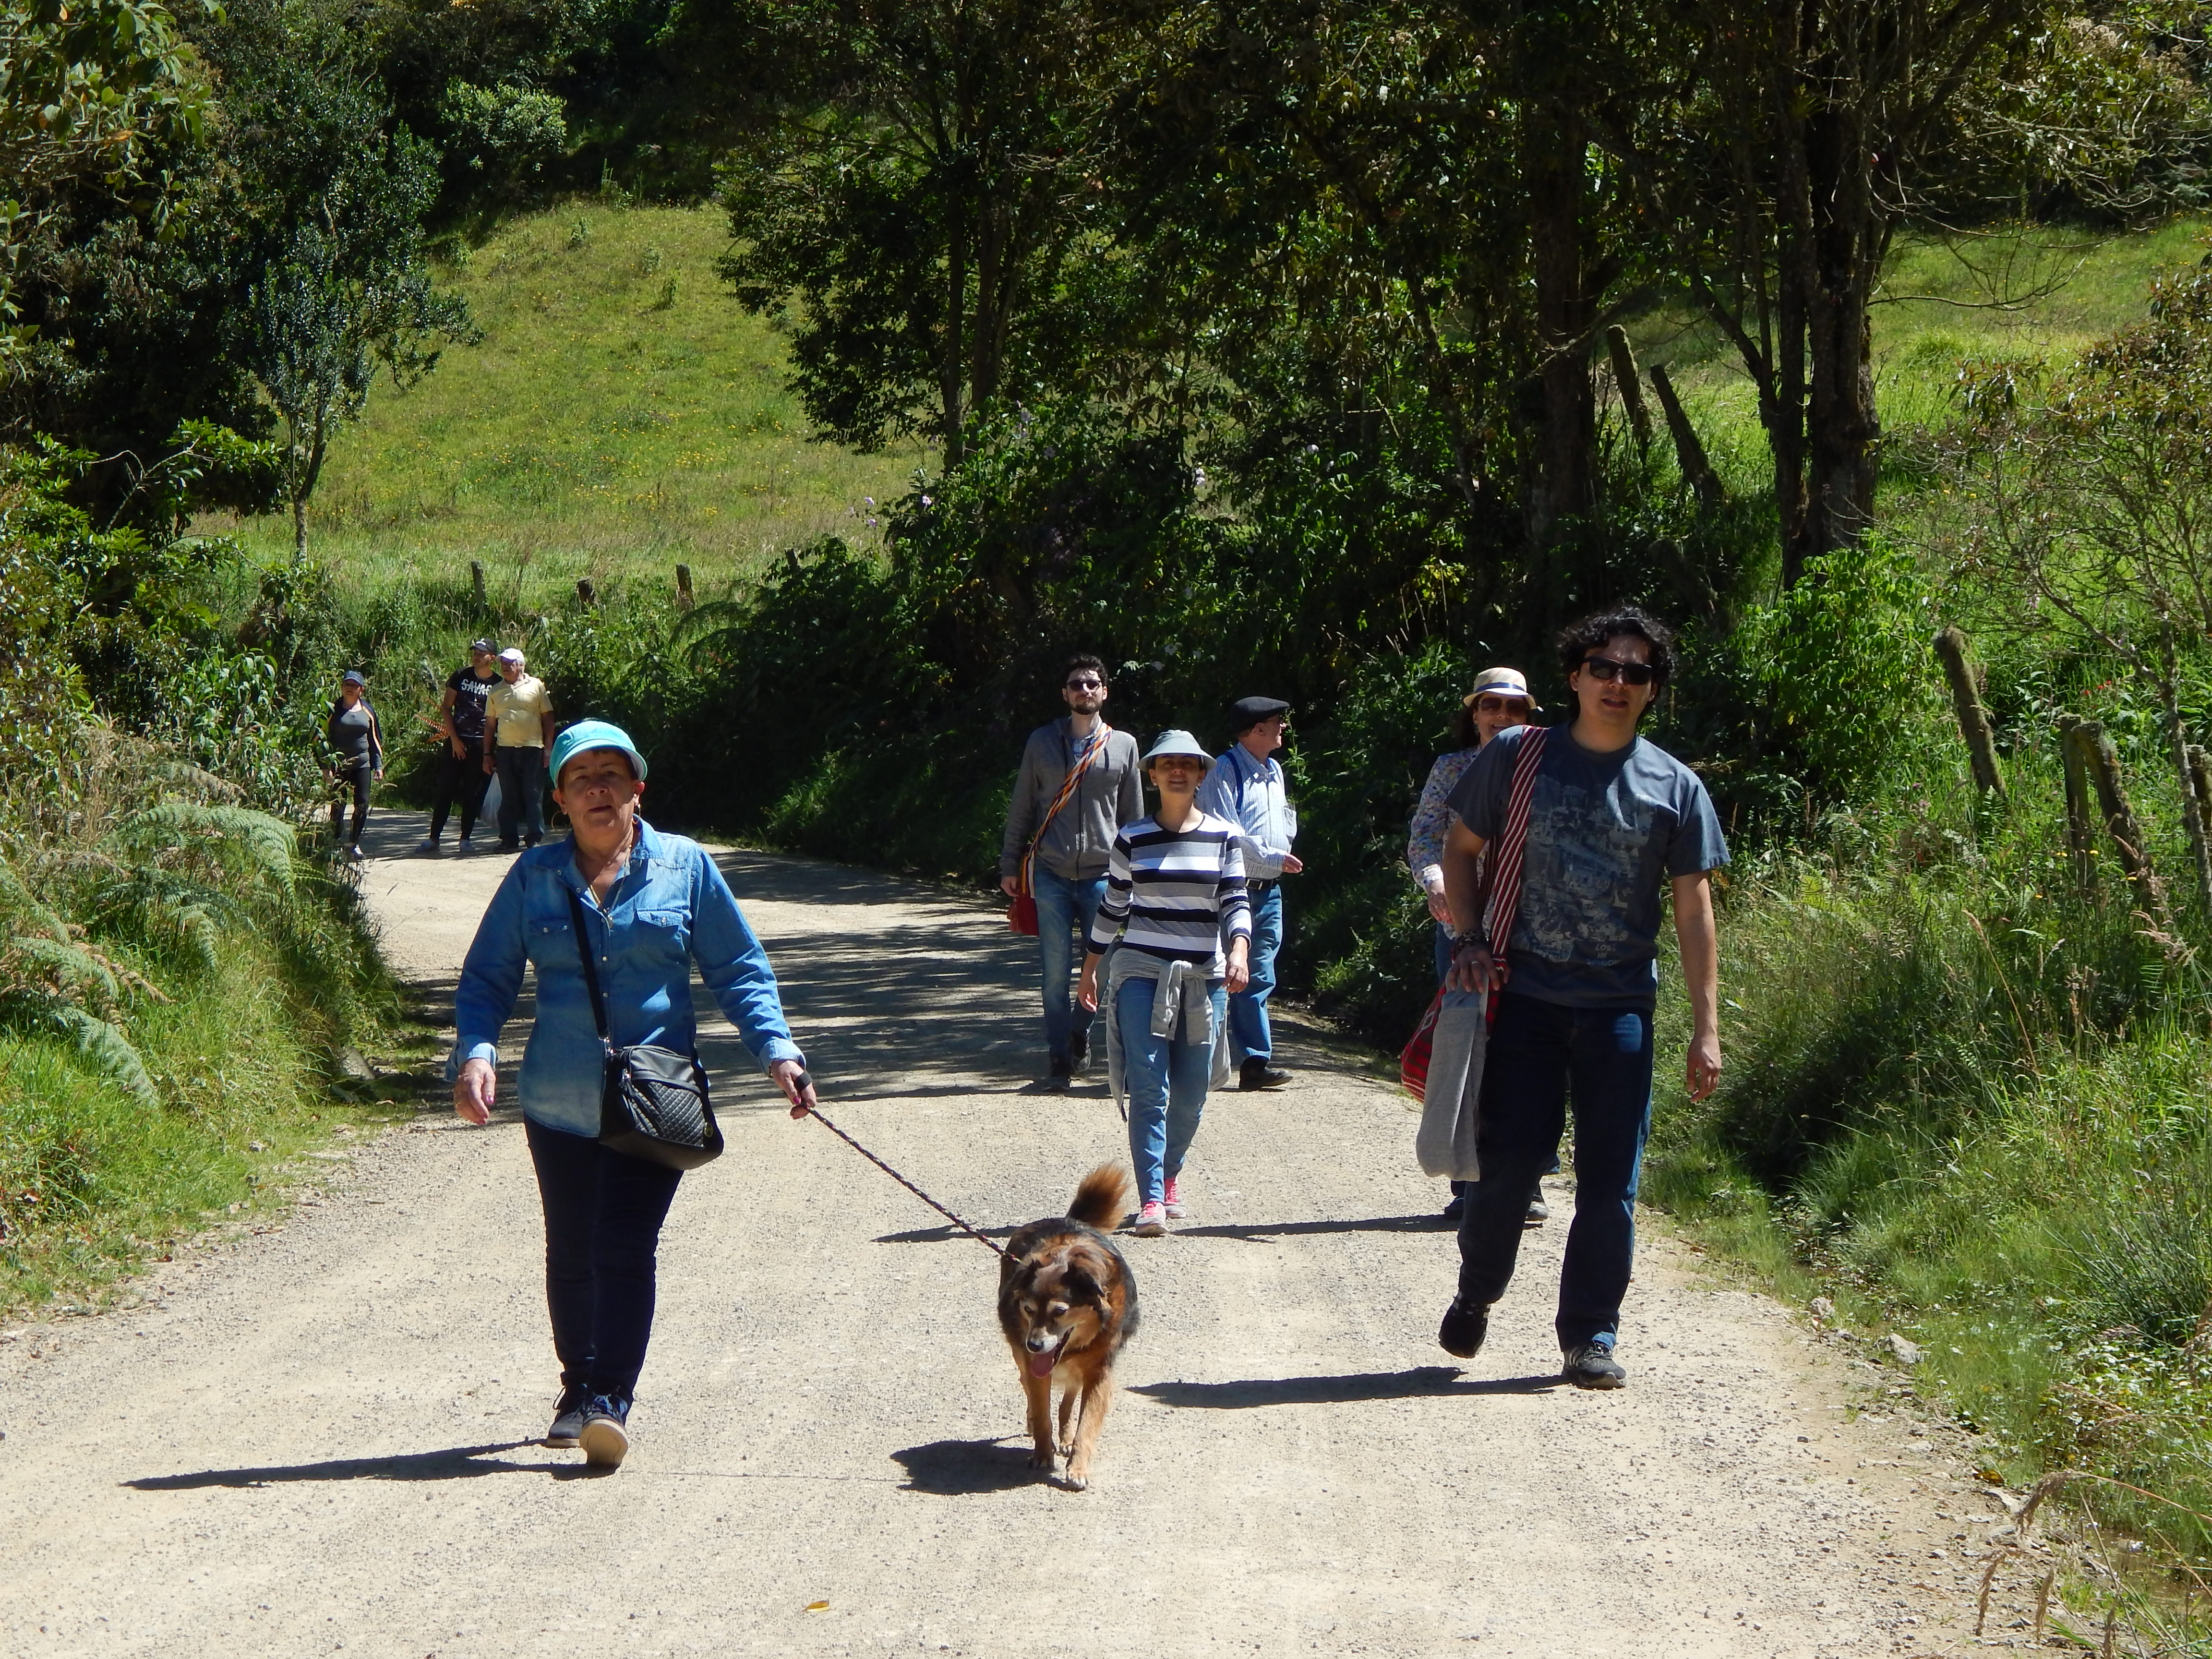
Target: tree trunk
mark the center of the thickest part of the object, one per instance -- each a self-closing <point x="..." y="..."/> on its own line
<point x="1842" y="432"/>
<point x="1625" y="382"/>
<point x="1554" y="176"/>
<point x="952" y="369"/>
<point x="1973" y="718"/>
<point x="2080" y="836"/>
<point x="2176" y="736"/>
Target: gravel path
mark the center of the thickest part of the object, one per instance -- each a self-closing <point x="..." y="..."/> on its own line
<point x="319" y="1437"/>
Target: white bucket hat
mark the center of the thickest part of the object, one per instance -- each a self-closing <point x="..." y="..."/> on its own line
<point x="1501" y="682"/>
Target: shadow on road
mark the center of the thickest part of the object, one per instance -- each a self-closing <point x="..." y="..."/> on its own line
<point x="956" y="1468"/>
<point x="1430" y="1221"/>
<point x="1423" y="1381"/>
<point x="454" y="1463"/>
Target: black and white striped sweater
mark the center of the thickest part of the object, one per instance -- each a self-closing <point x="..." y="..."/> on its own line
<point x="1176" y="894"/>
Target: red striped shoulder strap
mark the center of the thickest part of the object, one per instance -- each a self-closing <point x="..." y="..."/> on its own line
<point x="1505" y="882"/>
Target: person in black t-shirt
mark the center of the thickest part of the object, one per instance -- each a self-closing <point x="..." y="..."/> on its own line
<point x="461" y="753"/>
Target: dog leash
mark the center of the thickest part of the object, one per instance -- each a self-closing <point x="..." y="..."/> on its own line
<point x="817" y="1112"/>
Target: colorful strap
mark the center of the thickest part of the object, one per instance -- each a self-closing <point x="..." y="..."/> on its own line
<point x="1505" y="877"/>
<point x="1068" y="787"/>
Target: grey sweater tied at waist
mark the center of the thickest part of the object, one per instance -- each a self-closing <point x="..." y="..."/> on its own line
<point x="1182" y="996"/>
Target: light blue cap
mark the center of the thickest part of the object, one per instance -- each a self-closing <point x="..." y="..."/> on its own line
<point x="1177" y="743"/>
<point x="593" y="734"/>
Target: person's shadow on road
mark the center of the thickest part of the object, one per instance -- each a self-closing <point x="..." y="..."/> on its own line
<point x="1422" y="1381"/>
<point x="451" y="1463"/>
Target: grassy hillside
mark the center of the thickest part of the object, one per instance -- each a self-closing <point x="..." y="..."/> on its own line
<point x="620" y="413"/>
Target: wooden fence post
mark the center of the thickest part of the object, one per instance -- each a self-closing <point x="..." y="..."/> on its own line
<point x="2121" y="822"/>
<point x="475" y="580"/>
<point x="683" y="587"/>
<point x="2081" y="834"/>
<point x="1973" y="718"/>
<point x="1625" y="379"/>
<point x="1688" y="451"/>
<point x="587" y="595"/>
<point x="2200" y="781"/>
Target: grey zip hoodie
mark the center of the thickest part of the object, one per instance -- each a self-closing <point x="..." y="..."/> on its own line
<point x="1076" y="843"/>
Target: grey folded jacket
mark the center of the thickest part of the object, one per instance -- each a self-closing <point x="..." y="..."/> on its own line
<point x="1451" y="1116"/>
<point x="1181" y="991"/>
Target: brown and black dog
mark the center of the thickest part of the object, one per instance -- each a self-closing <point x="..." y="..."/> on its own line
<point x="1067" y="1302"/>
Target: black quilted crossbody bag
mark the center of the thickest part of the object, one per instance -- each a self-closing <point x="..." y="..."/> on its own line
<point x="653" y="1104"/>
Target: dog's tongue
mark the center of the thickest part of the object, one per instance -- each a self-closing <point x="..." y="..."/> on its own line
<point x="1040" y="1364"/>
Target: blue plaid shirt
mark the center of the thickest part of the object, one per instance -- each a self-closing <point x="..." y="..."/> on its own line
<point x="669" y="908"/>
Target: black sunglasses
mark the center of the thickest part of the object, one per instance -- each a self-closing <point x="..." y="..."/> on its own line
<point x="1087" y="685"/>
<point x="1610" y="668"/>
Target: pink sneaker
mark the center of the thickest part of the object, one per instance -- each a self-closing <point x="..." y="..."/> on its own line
<point x="1175" y="1207"/>
<point x="1151" y="1220"/>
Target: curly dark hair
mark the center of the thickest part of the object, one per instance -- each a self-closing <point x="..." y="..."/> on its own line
<point x="1578" y="639"/>
<point x="1083" y="659"/>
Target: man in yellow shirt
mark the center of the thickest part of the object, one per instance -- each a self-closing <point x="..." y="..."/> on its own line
<point x="518" y="731"/>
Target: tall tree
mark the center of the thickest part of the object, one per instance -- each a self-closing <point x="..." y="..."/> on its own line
<point x="912" y="229"/>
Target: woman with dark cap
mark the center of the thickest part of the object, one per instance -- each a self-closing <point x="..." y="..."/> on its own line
<point x="650" y="905"/>
<point x="356" y="759"/>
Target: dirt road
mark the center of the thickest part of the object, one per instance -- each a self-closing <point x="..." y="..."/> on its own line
<point x="321" y="1438"/>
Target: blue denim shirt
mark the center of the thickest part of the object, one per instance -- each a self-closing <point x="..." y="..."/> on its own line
<point x="671" y="908"/>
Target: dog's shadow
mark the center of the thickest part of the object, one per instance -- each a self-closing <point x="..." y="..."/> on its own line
<point x="959" y="1468"/>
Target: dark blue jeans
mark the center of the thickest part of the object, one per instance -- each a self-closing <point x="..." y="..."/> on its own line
<point x="602" y="1216"/>
<point x="1541" y="1056"/>
<point x="521" y="794"/>
<point x="1066" y="908"/>
<point x="1250" y="1036"/>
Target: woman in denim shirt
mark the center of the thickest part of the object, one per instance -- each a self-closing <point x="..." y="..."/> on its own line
<point x="654" y="904"/>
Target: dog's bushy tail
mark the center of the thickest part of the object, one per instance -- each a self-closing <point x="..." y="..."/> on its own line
<point x="1100" y="1197"/>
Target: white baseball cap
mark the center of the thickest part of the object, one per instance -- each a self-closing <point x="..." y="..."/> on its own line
<point x="511" y="654"/>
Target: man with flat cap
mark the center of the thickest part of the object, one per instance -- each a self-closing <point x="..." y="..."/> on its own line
<point x="1245" y="785"/>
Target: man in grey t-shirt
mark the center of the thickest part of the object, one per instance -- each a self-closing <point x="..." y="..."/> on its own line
<point x="1612" y="819"/>
<point x="1068" y="874"/>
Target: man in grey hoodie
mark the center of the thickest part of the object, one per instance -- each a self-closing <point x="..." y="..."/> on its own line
<point x="1067" y="873"/>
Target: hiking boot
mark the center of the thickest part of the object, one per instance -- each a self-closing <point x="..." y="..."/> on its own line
<point x="1258" y="1074"/>
<point x="1062" y="1076"/>
<point x="1078" y="1050"/>
<point x="1151" y="1220"/>
<point x="1461" y="1334"/>
<point x="1171" y="1201"/>
<point x="426" y="848"/>
<point x="507" y="846"/>
<point x="1591" y="1365"/>
<point x="568" y="1417"/>
<point x="604" y="1436"/>
<point x="1539" y="1212"/>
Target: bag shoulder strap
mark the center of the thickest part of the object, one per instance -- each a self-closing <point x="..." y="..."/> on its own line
<point x="591" y="968"/>
<point x="1505" y="857"/>
<point x="1067" y="786"/>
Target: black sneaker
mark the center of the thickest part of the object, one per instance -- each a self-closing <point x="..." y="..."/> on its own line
<point x="1078" y="1049"/>
<point x="1591" y="1365"/>
<point x="568" y="1417"/>
<point x="605" y="1434"/>
<point x="1539" y="1212"/>
<point x="1463" y="1329"/>
<point x="1258" y="1074"/>
<point x="1061" y="1076"/>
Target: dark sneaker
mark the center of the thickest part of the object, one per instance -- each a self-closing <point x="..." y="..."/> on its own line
<point x="1591" y="1365"/>
<point x="1539" y="1212"/>
<point x="1258" y="1074"/>
<point x="605" y="1434"/>
<point x="568" y="1417"/>
<point x="1463" y="1329"/>
<point x="1060" y="1076"/>
<point x="426" y="848"/>
<point x="507" y="846"/>
<point x="1078" y="1049"/>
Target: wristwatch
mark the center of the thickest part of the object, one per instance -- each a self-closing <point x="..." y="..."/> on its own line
<point x="1473" y="937"/>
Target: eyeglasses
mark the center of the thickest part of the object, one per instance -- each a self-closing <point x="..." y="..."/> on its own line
<point x="1086" y="683"/>
<point x="1611" y="668"/>
<point x="1499" y="705"/>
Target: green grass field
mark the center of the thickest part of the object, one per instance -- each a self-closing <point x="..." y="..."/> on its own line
<point x="620" y="415"/>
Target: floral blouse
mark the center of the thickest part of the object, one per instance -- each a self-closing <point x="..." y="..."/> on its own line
<point x="1425" y="848"/>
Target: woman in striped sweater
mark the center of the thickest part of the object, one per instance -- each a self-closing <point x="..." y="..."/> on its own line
<point x="1175" y="889"/>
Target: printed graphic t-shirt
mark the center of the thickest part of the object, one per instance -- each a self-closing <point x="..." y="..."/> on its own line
<point x="1604" y="830"/>
<point x="519" y="708"/>
<point x="470" y="695"/>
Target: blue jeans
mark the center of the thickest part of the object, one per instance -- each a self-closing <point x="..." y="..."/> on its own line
<point x="1167" y="1083"/>
<point x="1064" y="908"/>
<point x="602" y="1216"/>
<point x="521" y="785"/>
<point x="1249" y="1036"/>
<point x="1542" y="1055"/>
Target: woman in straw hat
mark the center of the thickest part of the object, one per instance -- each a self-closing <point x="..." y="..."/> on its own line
<point x="1175" y="889"/>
